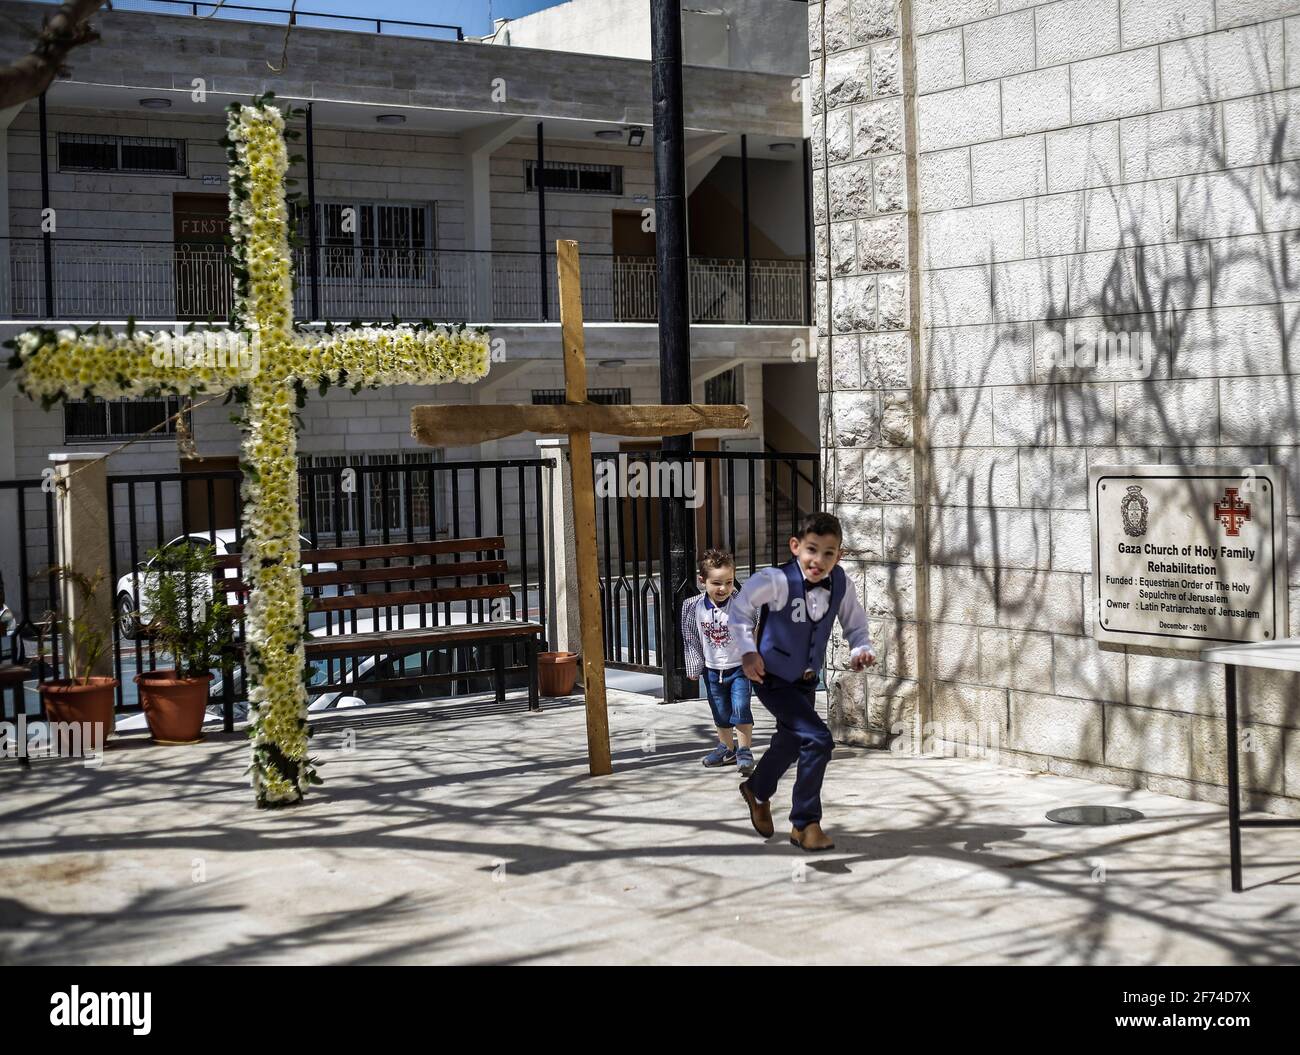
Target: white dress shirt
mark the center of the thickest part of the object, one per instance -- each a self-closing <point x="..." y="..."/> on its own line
<point x="770" y="587"/>
<point x="718" y="641"/>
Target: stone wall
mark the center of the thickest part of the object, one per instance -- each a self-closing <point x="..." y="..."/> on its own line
<point x="866" y="347"/>
<point x="1117" y="166"/>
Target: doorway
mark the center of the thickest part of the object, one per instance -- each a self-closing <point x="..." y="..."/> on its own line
<point x="640" y="516"/>
<point x="635" y="287"/>
<point x="210" y="505"/>
<point x="200" y="224"/>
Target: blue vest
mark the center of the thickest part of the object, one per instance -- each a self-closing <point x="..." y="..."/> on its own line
<point x="789" y="648"/>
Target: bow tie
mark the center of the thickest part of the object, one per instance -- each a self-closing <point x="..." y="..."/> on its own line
<point x="824" y="584"/>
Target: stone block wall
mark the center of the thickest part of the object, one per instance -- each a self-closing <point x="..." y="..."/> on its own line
<point x="1082" y="167"/>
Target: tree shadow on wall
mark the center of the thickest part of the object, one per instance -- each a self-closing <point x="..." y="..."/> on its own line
<point x="1197" y="263"/>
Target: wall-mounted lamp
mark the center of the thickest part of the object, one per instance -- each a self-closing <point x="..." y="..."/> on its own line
<point x="635" y="136"/>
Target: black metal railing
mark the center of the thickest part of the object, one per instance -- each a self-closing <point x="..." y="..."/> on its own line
<point x="29" y="588"/>
<point x="98" y="280"/>
<point x="344" y="506"/>
<point x="306" y="19"/>
<point x="746" y="502"/>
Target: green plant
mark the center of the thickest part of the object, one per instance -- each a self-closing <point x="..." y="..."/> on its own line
<point x="187" y="618"/>
<point x="85" y="641"/>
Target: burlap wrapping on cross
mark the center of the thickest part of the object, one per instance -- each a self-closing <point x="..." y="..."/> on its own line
<point x="452" y="426"/>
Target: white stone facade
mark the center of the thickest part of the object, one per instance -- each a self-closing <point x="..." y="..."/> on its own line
<point x="1115" y="165"/>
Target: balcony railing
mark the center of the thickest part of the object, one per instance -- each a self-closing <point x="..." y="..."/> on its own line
<point x="95" y="280"/>
<point x="306" y="19"/>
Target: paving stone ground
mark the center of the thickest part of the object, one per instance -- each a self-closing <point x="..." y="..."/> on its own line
<point x="483" y="840"/>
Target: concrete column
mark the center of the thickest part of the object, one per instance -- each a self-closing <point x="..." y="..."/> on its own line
<point x="869" y="374"/>
<point x="81" y="541"/>
<point x="478" y="233"/>
<point x="478" y="146"/>
<point x="8" y="456"/>
<point x="9" y="553"/>
<point x="6" y="279"/>
<point x="562" y="558"/>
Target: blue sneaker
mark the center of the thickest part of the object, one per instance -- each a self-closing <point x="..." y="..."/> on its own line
<point x="745" y="761"/>
<point x="720" y="756"/>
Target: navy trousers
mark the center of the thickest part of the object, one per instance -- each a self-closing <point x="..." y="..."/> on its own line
<point x="800" y="736"/>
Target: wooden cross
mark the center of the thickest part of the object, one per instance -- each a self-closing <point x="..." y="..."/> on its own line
<point x="450" y="425"/>
<point x="269" y="366"/>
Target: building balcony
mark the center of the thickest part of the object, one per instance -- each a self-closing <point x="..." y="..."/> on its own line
<point x="109" y="280"/>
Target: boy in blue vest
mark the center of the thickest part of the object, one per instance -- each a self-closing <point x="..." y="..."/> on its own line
<point x="795" y="605"/>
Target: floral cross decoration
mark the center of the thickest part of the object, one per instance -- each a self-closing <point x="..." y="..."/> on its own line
<point x="267" y="366"/>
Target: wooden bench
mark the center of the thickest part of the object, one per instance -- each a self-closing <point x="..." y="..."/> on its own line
<point x="387" y="591"/>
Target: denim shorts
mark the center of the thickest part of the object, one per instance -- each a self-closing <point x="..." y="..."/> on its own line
<point x="728" y="692"/>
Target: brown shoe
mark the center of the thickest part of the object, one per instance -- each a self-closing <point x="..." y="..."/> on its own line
<point x="760" y="813"/>
<point x="811" y="838"/>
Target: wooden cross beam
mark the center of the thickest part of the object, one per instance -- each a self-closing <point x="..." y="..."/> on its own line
<point x="442" y="425"/>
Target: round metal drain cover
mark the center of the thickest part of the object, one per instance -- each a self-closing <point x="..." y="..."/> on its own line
<point x="1093" y="815"/>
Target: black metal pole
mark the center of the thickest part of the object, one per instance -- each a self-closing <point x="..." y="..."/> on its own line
<point x="539" y="180"/>
<point x="1234" y="782"/>
<point x="47" y="250"/>
<point x="311" y="218"/>
<point x="678" y="531"/>
<point x="808" y="292"/>
<point x="744" y="214"/>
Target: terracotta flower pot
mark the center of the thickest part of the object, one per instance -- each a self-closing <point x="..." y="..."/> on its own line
<point x="174" y="707"/>
<point x="69" y="702"/>
<point x="557" y="673"/>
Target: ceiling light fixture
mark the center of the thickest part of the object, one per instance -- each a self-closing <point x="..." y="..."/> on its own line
<point x="609" y="133"/>
<point x="156" y="104"/>
<point x="780" y="147"/>
<point x="635" y="136"/>
<point x="391" y="119"/>
<point x="612" y="364"/>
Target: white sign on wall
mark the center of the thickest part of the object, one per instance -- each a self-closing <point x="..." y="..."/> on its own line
<point x="1182" y="555"/>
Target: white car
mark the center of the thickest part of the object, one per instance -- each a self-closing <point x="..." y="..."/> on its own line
<point x="129" y="595"/>
<point x="8" y="628"/>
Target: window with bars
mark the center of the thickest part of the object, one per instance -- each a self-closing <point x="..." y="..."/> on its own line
<point x="576" y="178"/>
<point x="723" y="389"/>
<point x="97" y="420"/>
<point x="345" y="503"/>
<point x="608" y="396"/>
<point x="387" y="240"/>
<point x="141" y="155"/>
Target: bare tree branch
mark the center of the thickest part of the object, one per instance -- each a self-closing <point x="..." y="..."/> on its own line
<point x="67" y="28"/>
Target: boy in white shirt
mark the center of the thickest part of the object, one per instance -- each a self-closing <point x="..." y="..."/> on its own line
<point x="795" y="605"/>
<point x="712" y="650"/>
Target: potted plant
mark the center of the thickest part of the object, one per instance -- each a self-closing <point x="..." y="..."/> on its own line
<point x="80" y="697"/>
<point x="189" y="622"/>
<point x="557" y="672"/>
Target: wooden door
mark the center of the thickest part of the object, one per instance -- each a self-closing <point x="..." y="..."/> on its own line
<point x="210" y="508"/>
<point x="635" y="288"/>
<point x="200" y="224"/>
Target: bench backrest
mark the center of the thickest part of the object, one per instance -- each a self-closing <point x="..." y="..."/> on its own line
<point x="395" y="584"/>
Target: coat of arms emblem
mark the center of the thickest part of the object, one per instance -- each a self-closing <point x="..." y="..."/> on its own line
<point x="1133" y="510"/>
